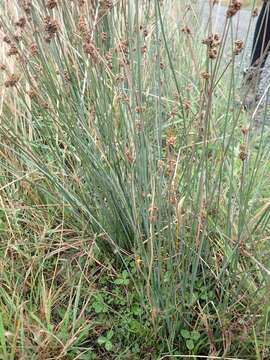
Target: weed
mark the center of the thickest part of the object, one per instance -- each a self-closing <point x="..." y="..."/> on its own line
<point x="134" y="205"/>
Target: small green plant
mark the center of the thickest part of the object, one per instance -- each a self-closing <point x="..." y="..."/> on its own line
<point x="190" y="338"/>
<point x="106" y="340"/>
<point x="99" y="304"/>
<point x="123" y="279"/>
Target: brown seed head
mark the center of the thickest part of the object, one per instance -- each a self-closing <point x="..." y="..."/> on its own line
<point x="245" y="131"/>
<point x="106" y="4"/>
<point x="186" y="30"/>
<point x="212" y="53"/>
<point x="11" y="80"/>
<point x="21" y="22"/>
<point x="51" y="4"/>
<point x="238" y="47"/>
<point x="162" y="65"/>
<point x="6" y="39"/>
<point x="143" y="49"/>
<point x="91" y="50"/>
<point x="186" y="104"/>
<point x="13" y="50"/>
<point x="170" y="141"/>
<point x="233" y="8"/>
<point x="33" y="49"/>
<point x="51" y="26"/>
<point x="104" y="36"/>
<point x="205" y="75"/>
<point x="243" y="152"/>
<point x="255" y="12"/>
<point x="31" y="93"/>
<point x="26" y="5"/>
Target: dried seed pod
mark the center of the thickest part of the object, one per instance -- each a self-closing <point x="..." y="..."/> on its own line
<point x="91" y="50"/>
<point x="21" y="22"/>
<point x="143" y="49"/>
<point x="186" y="30"/>
<point x="243" y="152"/>
<point x="106" y="4"/>
<point x="238" y="47"/>
<point x="51" y="4"/>
<point x="13" y="50"/>
<point x="11" y="80"/>
<point x="31" y="93"/>
<point x="233" y="8"/>
<point x="205" y="75"/>
<point x="245" y="131"/>
<point x="51" y="27"/>
<point x="33" y="49"/>
<point x="104" y="36"/>
<point x="255" y="12"/>
<point x="26" y="5"/>
<point x="6" y="39"/>
<point x="212" y="53"/>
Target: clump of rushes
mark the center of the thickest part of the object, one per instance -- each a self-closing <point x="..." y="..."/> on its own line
<point x="124" y="151"/>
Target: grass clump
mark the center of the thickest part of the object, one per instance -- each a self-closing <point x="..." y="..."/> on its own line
<point x="134" y="201"/>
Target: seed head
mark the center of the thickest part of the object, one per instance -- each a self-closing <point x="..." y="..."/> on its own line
<point x="243" y="152"/>
<point x="233" y="8"/>
<point x="170" y="141"/>
<point x="205" y="75"/>
<point x="33" y="49"/>
<point x="51" y="4"/>
<point x="106" y="4"/>
<point x="162" y="65"/>
<point x="6" y="39"/>
<point x="31" y="93"/>
<point x="186" y="30"/>
<point x="104" y="36"/>
<point x="255" y="12"/>
<point x="153" y="213"/>
<point x="51" y="27"/>
<point x="143" y="49"/>
<point x="21" y="22"/>
<point x="13" y="50"/>
<point x="212" y="53"/>
<point x="238" y="47"/>
<point x="186" y="104"/>
<point x="160" y="164"/>
<point x="11" y="80"/>
<point x="91" y="50"/>
<point x="26" y="5"/>
<point x="245" y="131"/>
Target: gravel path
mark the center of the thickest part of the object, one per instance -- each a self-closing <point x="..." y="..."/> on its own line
<point x="243" y="28"/>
